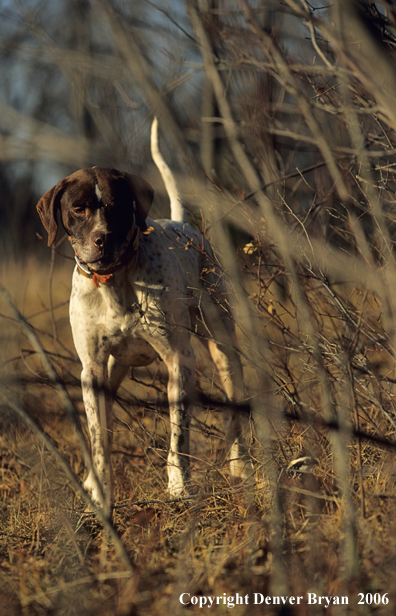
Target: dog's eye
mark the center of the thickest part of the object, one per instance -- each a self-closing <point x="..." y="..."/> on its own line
<point x="79" y="210"/>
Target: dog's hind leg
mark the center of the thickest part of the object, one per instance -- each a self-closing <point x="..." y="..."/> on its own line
<point x="222" y="349"/>
<point x="237" y="425"/>
<point x="117" y="372"/>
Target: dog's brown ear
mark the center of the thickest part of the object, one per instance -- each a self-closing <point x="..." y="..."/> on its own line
<point x="47" y="208"/>
<point x="144" y="195"/>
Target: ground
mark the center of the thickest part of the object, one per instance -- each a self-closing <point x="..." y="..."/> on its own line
<point x="284" y="536"/>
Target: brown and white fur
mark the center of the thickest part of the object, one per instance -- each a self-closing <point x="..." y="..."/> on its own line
<point x="140" y="290"/>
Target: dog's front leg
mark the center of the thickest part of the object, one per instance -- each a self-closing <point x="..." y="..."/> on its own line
<point x="181" y="386"/>
<point x="98" y="401"/>
<point x="179" y="358"/>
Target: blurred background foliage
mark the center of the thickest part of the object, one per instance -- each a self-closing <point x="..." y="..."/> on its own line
<point x="294" y="83"/>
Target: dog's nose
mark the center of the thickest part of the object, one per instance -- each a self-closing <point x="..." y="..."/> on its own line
<point x="98" y="239"/>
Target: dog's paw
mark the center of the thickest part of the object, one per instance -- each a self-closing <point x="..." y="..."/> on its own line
<point x="101" y="498"/>
<point x="176" y="483"/>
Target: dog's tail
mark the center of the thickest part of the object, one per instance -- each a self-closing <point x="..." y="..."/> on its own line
<point x="177" y="211"/>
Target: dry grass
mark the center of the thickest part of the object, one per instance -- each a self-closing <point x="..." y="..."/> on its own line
<point x="287" y="536"/>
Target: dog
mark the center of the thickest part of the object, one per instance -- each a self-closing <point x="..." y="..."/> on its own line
<point x="141" y="288"/>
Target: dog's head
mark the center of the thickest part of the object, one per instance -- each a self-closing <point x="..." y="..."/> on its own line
<point x="101" y="210"/>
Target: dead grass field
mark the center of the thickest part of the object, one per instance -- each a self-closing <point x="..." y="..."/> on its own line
<point x="292" y="533"/>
